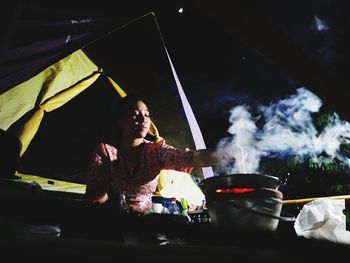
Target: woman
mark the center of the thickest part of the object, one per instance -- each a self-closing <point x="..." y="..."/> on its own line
<point x="128" y="171"/>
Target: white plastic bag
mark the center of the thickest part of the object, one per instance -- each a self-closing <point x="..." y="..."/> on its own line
<point x="323" y="219"/>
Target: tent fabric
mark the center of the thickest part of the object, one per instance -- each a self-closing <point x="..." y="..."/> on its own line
<point x="76" y="69"/>
<point x="40" y="62"/>
<point x="54" y="87"/>
<point x="40" y="42"/>
<point x="52" y="184"/>
<point x="61" y="75"/>
<point x="29" y="129"/>
<point x="38" y="80"/>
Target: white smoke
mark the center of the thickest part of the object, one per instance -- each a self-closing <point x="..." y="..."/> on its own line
<point x="241" y="145"/>
<point x="288" y="130"/>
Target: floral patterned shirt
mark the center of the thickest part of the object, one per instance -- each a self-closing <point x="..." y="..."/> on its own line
<point x="109" y="172"/>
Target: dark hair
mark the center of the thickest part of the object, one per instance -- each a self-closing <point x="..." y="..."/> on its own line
<point x="120" y="109"/>
<point x="127" y="103"/>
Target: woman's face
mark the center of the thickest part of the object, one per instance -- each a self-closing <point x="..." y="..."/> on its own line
<point x="137" y="122"/>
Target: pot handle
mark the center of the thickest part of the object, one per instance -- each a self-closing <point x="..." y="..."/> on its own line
<point x="288" y="217"/>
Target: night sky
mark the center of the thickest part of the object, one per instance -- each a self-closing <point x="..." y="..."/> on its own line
<point x="219" y="70"/>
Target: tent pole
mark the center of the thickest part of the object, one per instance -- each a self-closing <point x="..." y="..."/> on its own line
<point x="194" y="127"/>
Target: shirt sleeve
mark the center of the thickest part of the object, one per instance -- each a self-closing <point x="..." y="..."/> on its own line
<point x="98" y="174"/>
<point x="175" y="158"/>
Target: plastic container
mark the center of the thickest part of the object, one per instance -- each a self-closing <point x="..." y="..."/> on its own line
<point x="173" y="207"/>
<point x="165" y="202"/>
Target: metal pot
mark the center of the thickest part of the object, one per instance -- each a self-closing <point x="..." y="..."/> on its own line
<point x="244" y="201"/>
<point x="239" y="181"/>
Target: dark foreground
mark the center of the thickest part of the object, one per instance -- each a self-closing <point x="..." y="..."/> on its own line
<point x="43" y="226"/>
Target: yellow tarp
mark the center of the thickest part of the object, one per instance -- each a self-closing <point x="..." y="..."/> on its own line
<point x="53" y="184"/>
<point x="47" y="91"/>
<point x="32" y="93"/>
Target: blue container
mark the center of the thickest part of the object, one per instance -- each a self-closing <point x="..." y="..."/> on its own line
<point x="165" y="201"/>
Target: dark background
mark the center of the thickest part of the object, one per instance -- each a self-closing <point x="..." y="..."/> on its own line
<point x="225" y="53"/>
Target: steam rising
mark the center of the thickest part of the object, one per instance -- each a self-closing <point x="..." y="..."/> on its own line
<point x="287" y="130"/>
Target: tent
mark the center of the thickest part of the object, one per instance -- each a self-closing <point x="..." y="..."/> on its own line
<point x="43" y="61"/>
<point x="58" y="93"/>
<point x="58" y="39"/>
